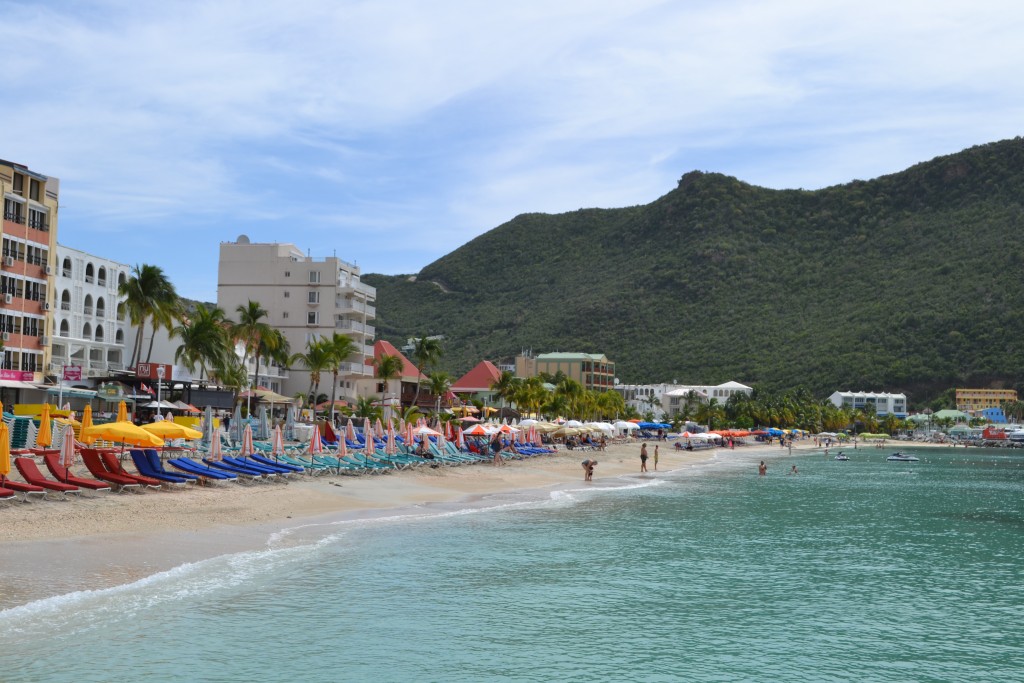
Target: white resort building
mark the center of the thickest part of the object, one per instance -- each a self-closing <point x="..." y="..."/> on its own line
<point x="675" y="400"/>
<point x="884" y="403"/>
<point x="306" y="298"/>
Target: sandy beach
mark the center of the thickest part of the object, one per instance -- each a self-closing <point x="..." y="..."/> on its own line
<point x="97" y="541"/>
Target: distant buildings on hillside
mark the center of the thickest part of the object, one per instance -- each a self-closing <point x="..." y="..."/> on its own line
<point x="593" y="370"/>
<point x="883" y="403"/>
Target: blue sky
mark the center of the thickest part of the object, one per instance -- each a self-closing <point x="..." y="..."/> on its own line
<point x="392" y="132"/>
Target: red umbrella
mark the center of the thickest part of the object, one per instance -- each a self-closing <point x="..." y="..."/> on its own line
<point x="316" y="446"/>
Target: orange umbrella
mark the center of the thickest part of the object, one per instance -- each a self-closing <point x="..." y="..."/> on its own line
<point x="45" y="436"/>
<point x="122" y="412"/>
<point x="5" y="451"/>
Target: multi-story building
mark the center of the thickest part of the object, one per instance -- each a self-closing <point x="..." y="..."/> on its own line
<point x="89" y="319"/>
<point x="306" y="298"/>
<point x="673" y="402"/>
<point x="592" y="370"/>
<point x="645" y="398"/>
<point x="29" y="232"/>
<point x="883" y="403"/>
<point x="980" y="399"/>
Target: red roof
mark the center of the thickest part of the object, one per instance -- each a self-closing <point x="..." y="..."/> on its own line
<point x="480" y="378"/>
<point x="386" y="348"/>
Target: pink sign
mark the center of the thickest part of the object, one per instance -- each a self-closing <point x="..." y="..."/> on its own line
<point x="72" y="373"/>
<point x="17" y="375"/>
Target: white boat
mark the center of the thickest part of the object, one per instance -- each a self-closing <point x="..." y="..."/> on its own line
<point x="900" y="456"/>
<point x="842" y="456"/>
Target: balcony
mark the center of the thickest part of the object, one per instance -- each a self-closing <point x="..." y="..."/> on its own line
<point x="87" y="310"/>
<point x="355" y="369"/>
<point x="101" y="282"/>
<point x="65" y="305"/>
<point x="89" y="279"/>
<point x="355" y="327"/>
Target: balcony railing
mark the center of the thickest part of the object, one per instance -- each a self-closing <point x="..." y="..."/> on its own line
<point x="89" y="279"/>
<point x="65" y="306"/>
<point x="87" y="310"/>
<point x="101" y="282"/>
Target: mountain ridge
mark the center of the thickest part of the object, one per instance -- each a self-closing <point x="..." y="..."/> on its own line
<point x="903" y="282"/>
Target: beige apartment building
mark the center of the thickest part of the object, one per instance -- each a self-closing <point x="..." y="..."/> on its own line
<point x="980" y="399"/>
<point x="593" y="370"/>
<point x="29" y="232"/>
<point x="307" y="298"/>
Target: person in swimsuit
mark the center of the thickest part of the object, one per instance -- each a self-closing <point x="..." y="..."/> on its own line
<point x="643" y="457"/>
<point x="655" y="457"/>
<point x="588" y="469"/>
<point x="762" y="469"/>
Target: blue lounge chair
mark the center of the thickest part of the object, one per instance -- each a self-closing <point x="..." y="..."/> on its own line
<point x="190" y="466"/>
<point x="287" y="466"/>
<point x="145" y="468"/>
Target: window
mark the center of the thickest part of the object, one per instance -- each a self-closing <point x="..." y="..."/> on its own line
<point x="89" y="273"/>
<point x="19" y="184"/>
<point x="312" y="318"/>
<point x="99" y="333"/>
<point x="287" y="273"/>
<point x="101" y="276"/>
<point x="314" y="277"/>
<point x="287" y="294"/>
<point x="314" y="297"/>
<point x="14" y="211"/>
<point x="34" y="189"/>
<point x="285" y="315"/>
<point x="37" y="219"/>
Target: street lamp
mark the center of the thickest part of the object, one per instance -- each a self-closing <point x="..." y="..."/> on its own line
<point x="160" y="372"/>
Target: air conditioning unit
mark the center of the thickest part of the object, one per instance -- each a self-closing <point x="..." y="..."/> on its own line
<point x="8" y="298"/>
<point x="7" y="336"/>
<point x="49" y="270"/>
<point x="9" y="261"/>
<point x="46" y="305"/>
<point x="44" y="340"/>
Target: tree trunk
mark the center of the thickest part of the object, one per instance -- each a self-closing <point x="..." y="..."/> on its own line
<point x="152" y="338"/>
<point x="334" y="387"/>
<point x="137" y="347"/>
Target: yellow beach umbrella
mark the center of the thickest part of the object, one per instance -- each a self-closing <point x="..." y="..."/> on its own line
<point x="171" y="430"/>
<point x="1" y="407"/>
<point x="122" y="412"/>
<point x="5" y="451"/>
<point x="45" y="436"/>
<point x="122" y="432"/>
<point x="86" y="422"/>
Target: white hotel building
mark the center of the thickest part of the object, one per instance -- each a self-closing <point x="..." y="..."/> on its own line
<point x="306" y="298"/>
<point x="884" y="403"/>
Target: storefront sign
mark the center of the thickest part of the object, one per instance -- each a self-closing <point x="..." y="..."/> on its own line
<point x="17" y="375"/>
<point x="72" y="373"/>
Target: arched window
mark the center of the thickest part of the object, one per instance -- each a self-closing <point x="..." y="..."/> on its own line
<point x="121" y="279"/>
<point x="65" y="330"/>
<point x="120" y="311"/>
<point x="66" y="267"/>
<point x="101" y="276"/>
<point x="89" y="273"/>
<point x="119" y="337"/>
<point x="101" y="307"/>
<point x="99" y="333"/>
<point x="87" y="331"/>
<point x="88" y="304"/>
<point x="65" y="300"/>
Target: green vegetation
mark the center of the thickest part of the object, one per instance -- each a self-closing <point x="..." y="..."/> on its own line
<point x="909" y="282"/>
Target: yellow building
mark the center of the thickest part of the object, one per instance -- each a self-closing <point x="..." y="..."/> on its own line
<point x="29" y="232"/>
<point x="980" y="399"/>
<point x="592" y="370"/>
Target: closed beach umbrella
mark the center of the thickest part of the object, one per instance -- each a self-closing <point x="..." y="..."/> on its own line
<point x="277" y="443"/>
<point x="235" y="427"/>
<point x="86" y="417"/>
<point x="45" y="436"/>
<point x="263" y="430"/>
<point x="208" y="425"/>
<point x="216" y="449"/>
<point x="289" y="423"/>
<point x="67" y="449"/>
<point x="247" y="447"/>
<point x="350" y="431"/>
<point x="342" y="449"/>
<point x="378" y="428"/>
<point x="5" y="451"/>
<point x="460" y="441"/>
<point x="367" y="432"/>
<point x="122" y="412"/>
<point x="316" y="446"/>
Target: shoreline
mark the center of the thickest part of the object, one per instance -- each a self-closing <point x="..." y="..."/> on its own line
<point x="56" y="547"/>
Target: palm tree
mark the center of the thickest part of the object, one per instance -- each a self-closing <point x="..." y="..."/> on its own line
<point x="149" y="295"/>
<point x="204" y="342"/>
<point x="365" y="408"/>
<point x="709" y="412"/>
<point x="316" y="359"/>
<point x="341" y="347"/>
<point x="254" y="334"/>
<point x="439" y="383"/>
<point x="387" y="368"/>
<point x="506" y="386"/>
<point x="427" y="351"/>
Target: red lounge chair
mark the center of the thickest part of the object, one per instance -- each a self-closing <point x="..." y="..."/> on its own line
<point x="7" y="495"/>
<point x="113" y="464"/>
<point x="64" y="475"/>
<point x="21" y="487"/>
<point x="30" y="473"/>
<point x="92" y="461"/>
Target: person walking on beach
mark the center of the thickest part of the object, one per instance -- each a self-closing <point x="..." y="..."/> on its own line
<point x="655" y="457"/>
<point x="496" y="450"/>
<point x="588" y="469"/>
<point x="643" y="457"/>
<point x="762" y="469"/>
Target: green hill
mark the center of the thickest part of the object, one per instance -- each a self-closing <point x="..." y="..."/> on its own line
<point x="911" y="281"/>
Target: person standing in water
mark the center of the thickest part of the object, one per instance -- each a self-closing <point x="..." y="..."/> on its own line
<point x="655" y="457"/>
<point x="762" y="469"/>
<point x="643" y="457"/>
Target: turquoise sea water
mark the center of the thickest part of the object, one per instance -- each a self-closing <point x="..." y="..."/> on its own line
<point x="864" y="570"/>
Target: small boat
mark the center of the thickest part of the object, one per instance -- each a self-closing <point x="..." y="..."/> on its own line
<point x="900" y="456"/>
<point x="842" y="456"/>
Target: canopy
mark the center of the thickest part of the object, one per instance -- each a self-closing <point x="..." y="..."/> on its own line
<point x="122" y="432"/>
<point x="166" y="429"/>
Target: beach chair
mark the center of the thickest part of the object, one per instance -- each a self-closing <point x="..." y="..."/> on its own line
<point x="145" y="468"/>
<point x="30" y="472"/>
<point x="60" y="473"/>
<point x="311" y="467"/>
<point x="7" y="495"/>
<point x="21" y="487"/>
<point x="287" y="466"/>
<point x="243" y="473"/>
<point x="156" y="463"/>
<point x="113" y="464"/>
<point x="94" y="464"/>
<point x="208" y="474"/>
<point x="251" y="463"/>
